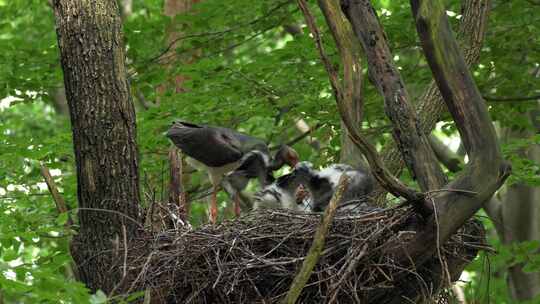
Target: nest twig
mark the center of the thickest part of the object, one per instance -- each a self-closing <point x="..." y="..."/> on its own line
<point x="255" y="258"/>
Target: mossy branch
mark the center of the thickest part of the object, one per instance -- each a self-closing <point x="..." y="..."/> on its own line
<point x="317" y="246"/>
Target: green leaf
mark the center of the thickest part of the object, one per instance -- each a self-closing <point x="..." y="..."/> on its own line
<point x="98" y="298"/>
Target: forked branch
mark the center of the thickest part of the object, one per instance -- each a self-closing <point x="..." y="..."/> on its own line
<point x="470" y="37"/>
<point x="486" y="170"/>
<point x="412" y="143"/>
<point x="383" y="176"/>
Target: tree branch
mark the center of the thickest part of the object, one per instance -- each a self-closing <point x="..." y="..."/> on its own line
<point x="446" y="156"/>
<point x="317" y="246"/>
<point x="349" y="52"/>
<point x="177" y="195"/>
<point x="59" y="201"/>
<point x="383" y="176"/>
<point x="412" y="143"/>
<point x="486" y="170"/>
<point x="517" y="98"/>
<point x="298" y="138"/>
<point x="471" y="33"/>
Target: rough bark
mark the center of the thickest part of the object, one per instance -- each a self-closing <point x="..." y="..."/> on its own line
<point x="104" y="135"/>
<point x="470" y="35"/>
<point x="413" y="144"/>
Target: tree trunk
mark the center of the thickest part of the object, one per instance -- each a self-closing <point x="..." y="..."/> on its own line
<point x="520" y="213"/>
<point x="516" y="214"/>
<point x="104" y="136"/>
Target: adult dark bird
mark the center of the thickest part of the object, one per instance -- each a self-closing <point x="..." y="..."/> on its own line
<point x="221" y="150"/>
<point x="322" y="184"/>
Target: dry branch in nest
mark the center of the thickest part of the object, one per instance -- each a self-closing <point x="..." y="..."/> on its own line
<point x="255" y="258"/>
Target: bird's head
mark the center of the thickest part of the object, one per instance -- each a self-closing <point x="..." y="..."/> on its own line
<point x="304" y="172"/>
<point x="303" y="167"/>
<point x="268" y="197"/>
<point x="179" y="128"/>
<point x="274" y="197"/>
<point x="285" y="155"/>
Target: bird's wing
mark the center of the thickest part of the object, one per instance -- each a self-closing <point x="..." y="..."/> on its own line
<point x="249" y="143"/>
<point x="208" y="145"/>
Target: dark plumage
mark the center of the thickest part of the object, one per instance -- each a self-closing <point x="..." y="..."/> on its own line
<point x="254" y="164"/>
<point x="213" y="146"/>
<point x="220" y="151"/>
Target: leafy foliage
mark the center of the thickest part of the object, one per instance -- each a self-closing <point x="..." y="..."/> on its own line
<point x="249" y="65"/>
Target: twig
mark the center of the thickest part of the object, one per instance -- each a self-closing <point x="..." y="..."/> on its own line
<point x="218" y="33"/>
<point x="299" y="137"/>
<point x="516" y="98"/>
<point x="451" y="190"/>
<point x="317" y="246"/>
<point x="61" y="206"/>
<point x="111" y="211"/>
<point x="350" y="269"/>
<point x="177" y="195"/>
<point x="124" y="234"/>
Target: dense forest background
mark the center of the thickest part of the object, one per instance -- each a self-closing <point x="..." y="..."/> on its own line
<point x="251" y="66"/>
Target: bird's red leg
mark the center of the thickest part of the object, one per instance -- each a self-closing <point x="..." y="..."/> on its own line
<point x="237" y="209"/>
<point x="213" y="207"/>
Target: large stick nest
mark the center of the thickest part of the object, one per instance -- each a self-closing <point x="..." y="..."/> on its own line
<point x="255" y="258"/>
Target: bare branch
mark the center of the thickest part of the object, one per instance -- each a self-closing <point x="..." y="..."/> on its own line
<point x="447" y="157"/>
<point x="317" y="246"/>
<point x="486" y="170"/>
<point x="177" y="195"/>
<point x="61" y="206"/>
<point x="412" y="143"/>
<point x="470" y="34"/>
<point x="349" y="52"/>
<point x="516" y="98"/>
<point x="304" y="135"/>
<point x="383" y="176"/>
<point x="332" y="73"/>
